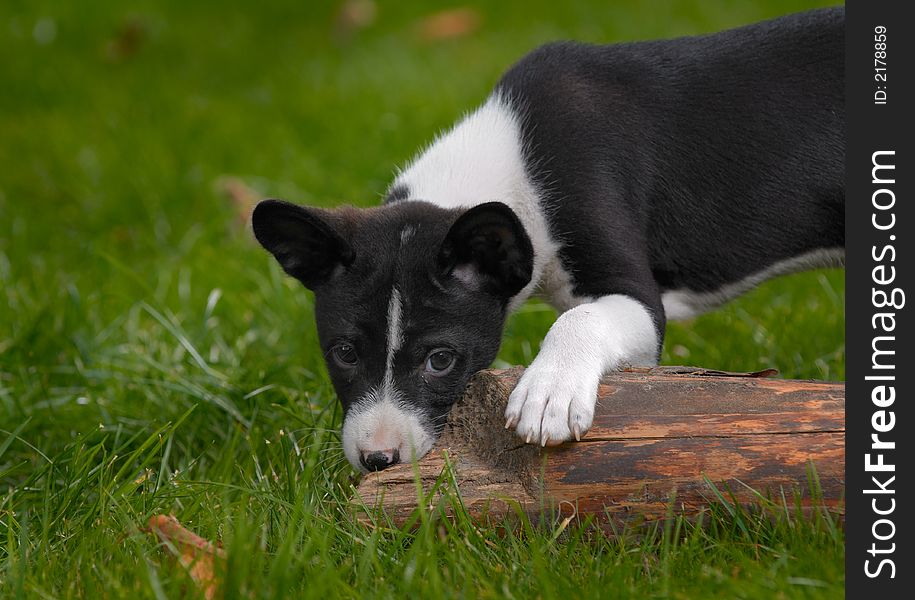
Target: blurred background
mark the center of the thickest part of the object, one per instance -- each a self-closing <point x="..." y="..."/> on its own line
<point x="135" y="135"/>
<point x="154" y="359"/>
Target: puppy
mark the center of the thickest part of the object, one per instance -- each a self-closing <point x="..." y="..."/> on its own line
<point x="626" y="184"/>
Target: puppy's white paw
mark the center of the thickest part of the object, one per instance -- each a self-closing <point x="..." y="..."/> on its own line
<point x="552" y="403"/>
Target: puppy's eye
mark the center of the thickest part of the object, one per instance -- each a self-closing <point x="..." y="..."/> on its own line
<point x="345" y="355"/>
<point x="439" y="361"/>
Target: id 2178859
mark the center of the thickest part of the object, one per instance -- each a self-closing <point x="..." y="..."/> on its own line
<point x="880" y="94"/>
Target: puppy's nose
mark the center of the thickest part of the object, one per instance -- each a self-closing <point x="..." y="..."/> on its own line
<point x="379" y="459"/>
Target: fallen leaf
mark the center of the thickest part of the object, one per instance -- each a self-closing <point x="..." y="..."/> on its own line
<point x="197" y="555"/>
<point x="353" y="16"/>
<point x="448" y="24"/>
<point x="126" y="43"/>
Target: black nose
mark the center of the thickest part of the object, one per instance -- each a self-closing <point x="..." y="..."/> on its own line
<point x="380" y="459"/>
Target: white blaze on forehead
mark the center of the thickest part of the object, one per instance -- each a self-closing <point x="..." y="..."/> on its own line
<point x="395" y="339"/>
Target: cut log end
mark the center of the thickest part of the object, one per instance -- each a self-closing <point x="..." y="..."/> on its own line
<point x="658" y="434"/>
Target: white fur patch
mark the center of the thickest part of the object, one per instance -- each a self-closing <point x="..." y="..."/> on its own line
<point x="554" y="401"/>
<point x="481" y="160"/>
<point x="406" y="234"/>
<point x="380" y="424"/>
<point x="395" y="336"/>
<point x="685" y="304"/>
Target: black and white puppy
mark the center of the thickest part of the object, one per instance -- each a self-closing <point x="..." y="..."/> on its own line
<point x="627" y="184"/>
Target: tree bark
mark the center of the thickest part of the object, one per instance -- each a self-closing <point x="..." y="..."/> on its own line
<point x="660" y="434"/>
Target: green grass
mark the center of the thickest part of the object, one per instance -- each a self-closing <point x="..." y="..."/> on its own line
<point x="152" y="359"/>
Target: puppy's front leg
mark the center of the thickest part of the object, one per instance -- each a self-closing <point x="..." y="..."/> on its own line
<point x="555" y="398"/>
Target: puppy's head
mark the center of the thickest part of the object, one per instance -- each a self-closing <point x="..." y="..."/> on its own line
<point x="410" y="301"/>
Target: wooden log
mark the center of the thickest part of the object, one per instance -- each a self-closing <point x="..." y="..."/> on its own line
<point x="658" y="434"/>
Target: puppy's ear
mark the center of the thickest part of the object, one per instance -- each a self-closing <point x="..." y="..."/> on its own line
<point x="304" y="240"/>
<point x="488" y="249"/>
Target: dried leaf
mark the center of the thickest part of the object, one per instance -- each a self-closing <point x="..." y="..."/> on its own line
<point x="353" y="16"/>
<point x="448" y="24"/>
<point x="197" y="555"/>
<point x="127" y="42"/>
